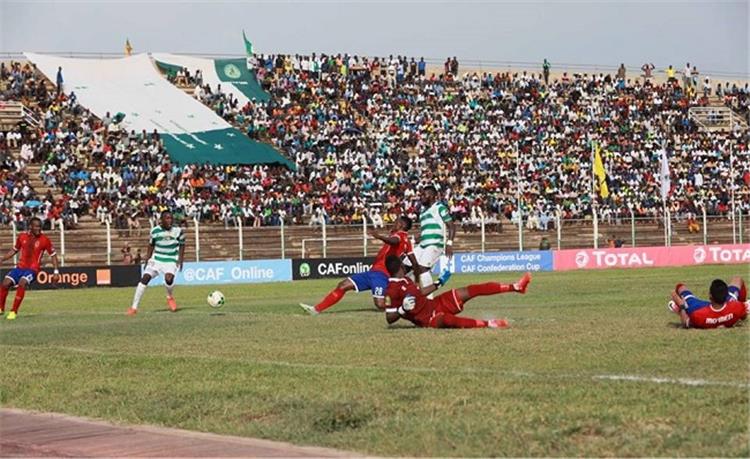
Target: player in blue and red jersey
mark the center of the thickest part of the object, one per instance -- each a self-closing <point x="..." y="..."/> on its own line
<point x="30" y="246"/>
<point x="726" y="306"/>
<point x="376" y="279"/>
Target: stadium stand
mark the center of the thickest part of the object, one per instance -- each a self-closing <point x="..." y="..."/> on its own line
<point x="364" y="133"/>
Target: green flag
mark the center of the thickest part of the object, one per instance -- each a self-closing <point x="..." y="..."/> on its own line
<point x="248" y="45"/>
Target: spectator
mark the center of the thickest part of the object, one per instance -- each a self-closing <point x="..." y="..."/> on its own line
<point x="544" y="244"/>
<point x="545" y="71"/>
<point x="59" y="81"/>
<point x="127" y="257"/>
<point x="648" y="69"/>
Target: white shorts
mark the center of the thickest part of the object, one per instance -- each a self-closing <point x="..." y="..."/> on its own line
<point x="427" y="256"/>
<point x="154" y="268"/>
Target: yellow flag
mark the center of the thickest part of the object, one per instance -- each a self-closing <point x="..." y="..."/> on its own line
<point x="128" y="48"/>
<point x="600" y="173"/>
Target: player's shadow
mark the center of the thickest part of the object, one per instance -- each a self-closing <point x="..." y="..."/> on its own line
<point x="402" y="327"/>
<point x="344" y="311"/>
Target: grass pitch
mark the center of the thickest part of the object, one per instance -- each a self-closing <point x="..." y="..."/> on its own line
<point x="593" y="364"/>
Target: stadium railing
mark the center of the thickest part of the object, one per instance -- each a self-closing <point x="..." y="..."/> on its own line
<point x="103" y="244"/>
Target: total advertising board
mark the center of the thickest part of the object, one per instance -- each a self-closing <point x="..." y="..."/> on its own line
<point x="652" y="257"/>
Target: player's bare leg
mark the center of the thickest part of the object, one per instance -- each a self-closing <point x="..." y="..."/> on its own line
<point x="20" y="293"/>
<point x="4" y="289"/>
<point x="333" y="297"/>
<point x="169" y="284"/>
<point x="140" y="289"/>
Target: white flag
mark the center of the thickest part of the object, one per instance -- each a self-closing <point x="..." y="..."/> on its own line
<point x="664" y="175"/>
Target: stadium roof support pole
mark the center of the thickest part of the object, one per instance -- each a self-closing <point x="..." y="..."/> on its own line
<point x="325" y="237"/>
<point x="518" y="199"/>
<point x="632" y="225"/>
<point x="109" y="241"/>
<point x="731" y="188"/>
<point x="283" y="245"/>
<point x="14" y="230"/>
<point x="197" y="239"/>
<point x="558" y="225"/>
<point x="239" y="234"/>
<point x="705" y="224"/>
<point x="484" y="234"/>
<point x="739" y="224"/>
<point x="364" y="235"/>
<point x="62" y="243"/>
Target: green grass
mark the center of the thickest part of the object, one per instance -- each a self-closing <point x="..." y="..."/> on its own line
<point x="344" y="379"/>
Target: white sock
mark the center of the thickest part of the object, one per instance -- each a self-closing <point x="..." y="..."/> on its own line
<point x="170" y="289"/>
<point x="425" y="279"/>
<point x="139" y="291"/>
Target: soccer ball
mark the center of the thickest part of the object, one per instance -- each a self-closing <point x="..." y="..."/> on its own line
<point x="215" y="299"/>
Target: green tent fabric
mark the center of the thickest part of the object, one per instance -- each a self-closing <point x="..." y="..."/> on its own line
<point x="144" y="100"/>
<point x="226" y="146"/>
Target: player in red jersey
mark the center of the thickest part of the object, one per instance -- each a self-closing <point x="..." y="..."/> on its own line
<point x="376" y="279"/>
<point x="407" y="301"/>
<point x="31" y="245"/>
<point x="727" y="305"/>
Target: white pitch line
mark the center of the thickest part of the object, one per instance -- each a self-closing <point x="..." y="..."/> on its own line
<point x="489" y="371"/>
<point x="680" y="381"/>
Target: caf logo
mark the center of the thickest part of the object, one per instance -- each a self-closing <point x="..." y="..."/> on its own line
<point x="232" y="71"/>
<point x="304" y="270"/>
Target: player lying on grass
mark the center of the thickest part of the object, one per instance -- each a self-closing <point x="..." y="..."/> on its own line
<point x="407" y="301"/>
<point x="727" y="305"/>
<point x="166" y="254"/>
<point x="376" y="279"/>
<point x="31" y="245"/>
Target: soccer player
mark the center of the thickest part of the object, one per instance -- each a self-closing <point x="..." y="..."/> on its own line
<point x="166" y="254"/>
<point x="31" y="245"/>
<point x="727" y="305"/>
<point x="407" y="301"/>
<point x="435" y="221"/>
<point x="376" y="279"/>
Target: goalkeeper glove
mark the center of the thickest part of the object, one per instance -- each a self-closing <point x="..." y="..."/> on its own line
<point x="407" y="305"/>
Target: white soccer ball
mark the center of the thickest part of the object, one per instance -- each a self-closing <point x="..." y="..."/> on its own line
<point x="215" y="299"/>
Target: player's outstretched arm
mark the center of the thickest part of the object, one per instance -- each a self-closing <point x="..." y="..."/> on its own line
<point x="56" y="267"/>
<point x="8" y="255"/>
<point x="391" y="315"/>
<point x="451" y="235"/>
<point x="390" y="240"/>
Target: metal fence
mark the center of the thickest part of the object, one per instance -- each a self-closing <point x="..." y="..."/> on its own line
<point x="106" y="244"/>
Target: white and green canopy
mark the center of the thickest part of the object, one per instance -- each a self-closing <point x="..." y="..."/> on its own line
<point x="193" y="133"/>
<point x="232" y="74"/>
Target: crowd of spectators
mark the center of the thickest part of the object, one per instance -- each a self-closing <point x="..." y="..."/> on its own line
<point x="365" y="133"/>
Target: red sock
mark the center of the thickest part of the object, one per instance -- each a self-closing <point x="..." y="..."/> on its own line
<point x="20" y="292"/>
<point x="330" y="299"/>
<point x="3" y="296"/>
<point x="490" y="288"/>
<point x="451" y="321"/>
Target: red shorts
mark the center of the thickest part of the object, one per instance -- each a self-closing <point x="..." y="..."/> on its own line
<point x="448" y="302"/>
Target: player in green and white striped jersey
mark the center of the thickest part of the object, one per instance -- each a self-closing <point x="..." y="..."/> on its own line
<point x="166" y="253"/>
<point x="437" y="231"/>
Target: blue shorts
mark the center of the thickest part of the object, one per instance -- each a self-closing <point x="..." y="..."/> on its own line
<point x="375" y="281"/>
<point x="16" y="274"/>
<point x="693" y="303"/>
